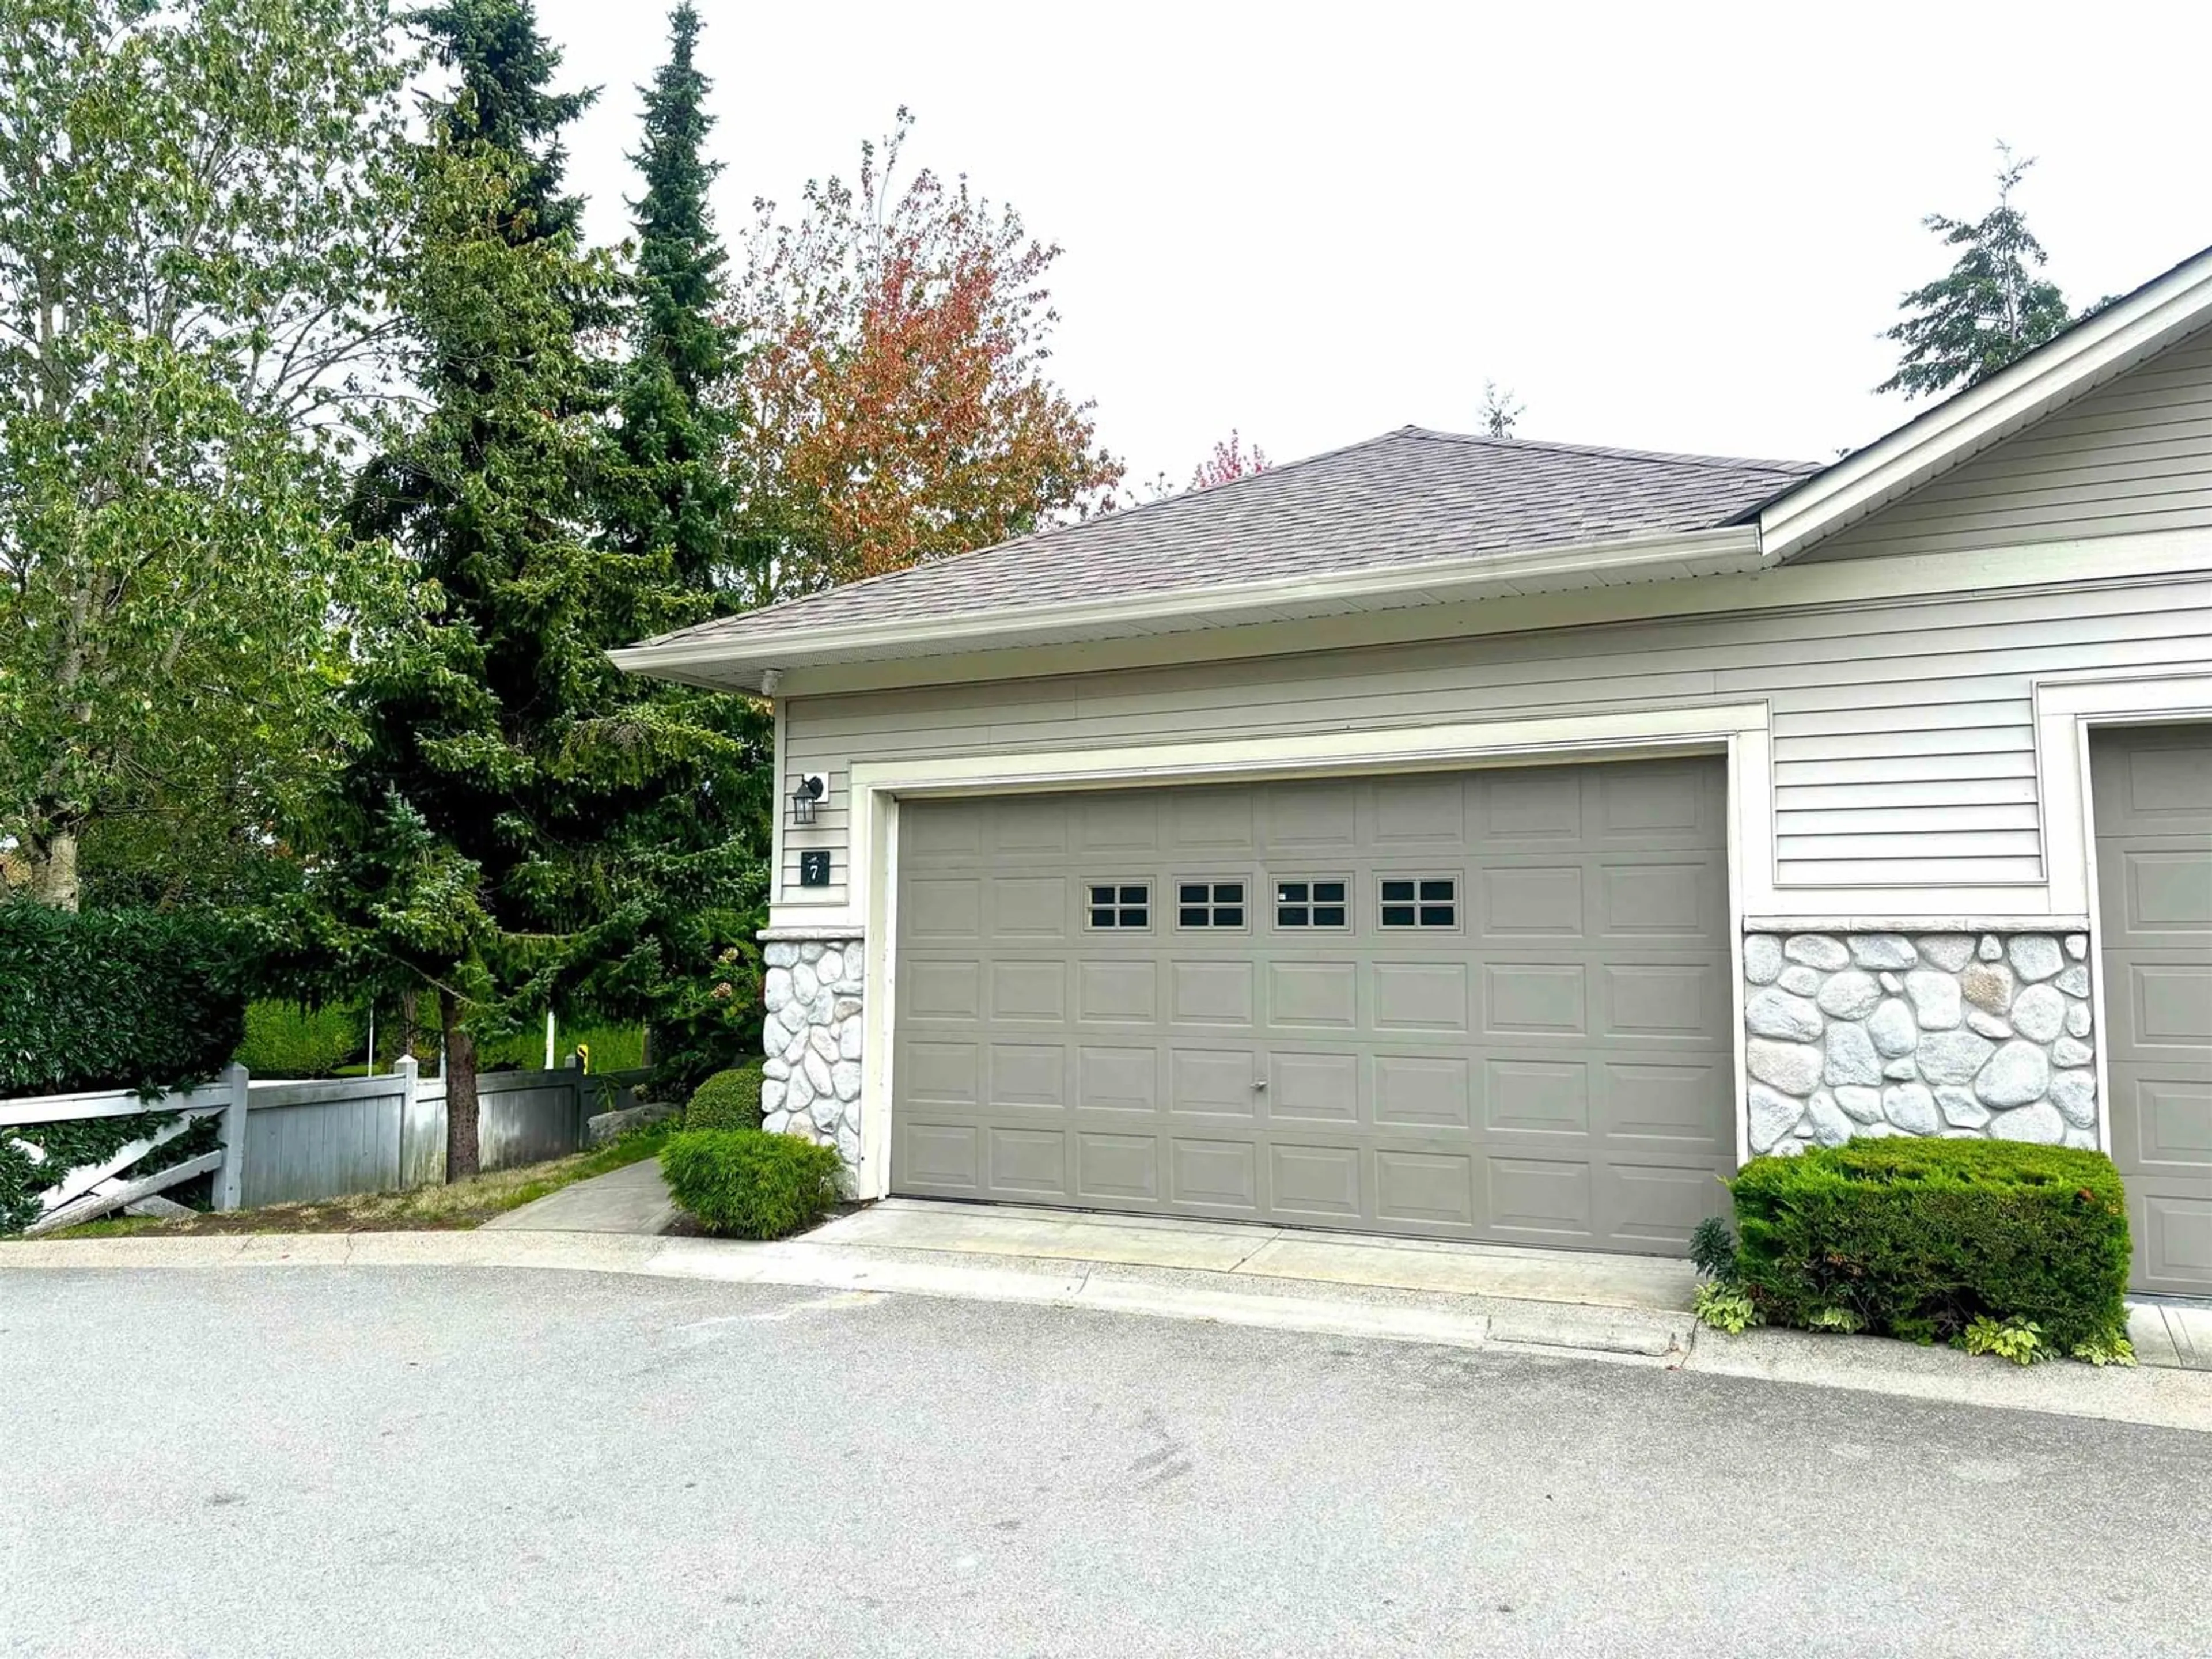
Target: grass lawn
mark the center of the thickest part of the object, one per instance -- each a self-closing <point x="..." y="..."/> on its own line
<point x="454" y="1208"/>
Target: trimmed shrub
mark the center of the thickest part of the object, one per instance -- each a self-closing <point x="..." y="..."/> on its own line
<point x="115" y="1000"/>
<point x="283" y="1039"/>
<point x="1920" y="1238"/>
<point x="746" y="1183"/>
<point x="728" y="1100"/>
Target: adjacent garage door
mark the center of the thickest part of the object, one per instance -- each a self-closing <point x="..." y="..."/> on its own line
<point x="2152" y="788"/>
<point x="1488" y="1005"/>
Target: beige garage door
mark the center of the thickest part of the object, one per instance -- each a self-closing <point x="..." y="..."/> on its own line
<point x="2153" y="789"/>
<point x="1487" y="1005"/>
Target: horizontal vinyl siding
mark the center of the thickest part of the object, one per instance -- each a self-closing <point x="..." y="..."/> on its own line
<point x="2134" y="455"/>
<point x="1903" y="734"/>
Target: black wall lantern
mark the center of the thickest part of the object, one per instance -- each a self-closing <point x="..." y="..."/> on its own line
<point x="812" y="787"/>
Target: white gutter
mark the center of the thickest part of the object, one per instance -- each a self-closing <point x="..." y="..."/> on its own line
<point x="1964" y="425"/>
<point x="1430" y="581"/>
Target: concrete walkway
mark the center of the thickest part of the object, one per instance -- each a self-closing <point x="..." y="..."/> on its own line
<point x="631" y="1199"/>
<point x="1242" y="1250"/>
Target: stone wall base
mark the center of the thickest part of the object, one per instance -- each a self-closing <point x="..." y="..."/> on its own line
<point x="1922" y="1034"/>
<point x="811" y="1078"/>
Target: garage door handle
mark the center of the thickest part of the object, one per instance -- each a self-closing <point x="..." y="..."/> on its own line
<point x="1261" y="1083"/>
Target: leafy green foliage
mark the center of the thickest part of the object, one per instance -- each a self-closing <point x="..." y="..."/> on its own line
<point x="196" y="212"/>
<point x="2106" y="1351"/>
<point x="2020" y="1340"/>
<point x="75" y="1143"/>
<point x="1834" y="1319"/>
<point x="114" y="1000"/>
<point x="728" y="1100"/>
<point x="747" y="1184"/>
<point x="1712" y="1249"/>
<point x="1725" y="1307"/>
<point x="1917" y="1238"/>
<point x="284" y="1039"/>
<point x="1988" y="310"/>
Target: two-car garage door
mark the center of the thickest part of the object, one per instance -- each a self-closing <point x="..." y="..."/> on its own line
<point x="1488" y="1005"/>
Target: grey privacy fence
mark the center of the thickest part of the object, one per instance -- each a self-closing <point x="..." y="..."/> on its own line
<point x="286" y="1141"/>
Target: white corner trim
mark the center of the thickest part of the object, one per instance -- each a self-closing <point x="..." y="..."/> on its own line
<point x="2066" y="708"/>
<point x="1965" y="424"/>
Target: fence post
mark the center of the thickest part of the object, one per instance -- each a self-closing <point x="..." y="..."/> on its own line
<point x="230" y="1178"/>
<point x="402" y="1070"/>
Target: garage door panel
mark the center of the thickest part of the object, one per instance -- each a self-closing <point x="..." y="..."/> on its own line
<point x="1676" y="1001"/>
<point x="1428" y="1188"/>
<point x="1027" y="1161"/>
<point x="1539" y="1199"/>
<point x="940" y="990"/>
<point x="1201" y="993"/>
<point x="1424" y="1091"/>
<point x="1028" y="909"/>
<point x="1217" y="1082"/>
<point x="1487" y="1076"/>
<point x="1535" y="998"/>
<point x="1313" y="996"/>
<point x="1116" y="1169"/>
<point x="1033" y="1074"/>
<point x="1655" y="1205"/>
<point x="1669" y="1103"/>
<point x="1313" y="1088"/>
<point x="1029" y="992"/>
<point x="2151" y="790"/>
<point x="1214" y="1174"/>
<point x="1316" y="1183"/>
<point x="1119" y="1079"/>
<point x="1539" y="1094"/>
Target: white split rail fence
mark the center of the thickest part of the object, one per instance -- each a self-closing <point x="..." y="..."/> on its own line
<point x="286" y="1141"/>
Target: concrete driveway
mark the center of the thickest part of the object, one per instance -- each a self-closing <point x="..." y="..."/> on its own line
<point x="415" y="1461"/>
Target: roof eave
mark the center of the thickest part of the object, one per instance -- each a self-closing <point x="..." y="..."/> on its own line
<point x="1963" y="426"/>
<point x="752" y="664"/>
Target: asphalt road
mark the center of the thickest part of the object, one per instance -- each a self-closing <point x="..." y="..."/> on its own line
<point x="400" y="1461"/>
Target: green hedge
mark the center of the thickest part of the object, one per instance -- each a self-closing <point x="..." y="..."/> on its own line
<point x="1916" y="1238"/>
<point x="748" y="1184"/>
<point x="728" y="1100"/>
<point x="283" y="1039"/>
<point x="114" y="1000"/>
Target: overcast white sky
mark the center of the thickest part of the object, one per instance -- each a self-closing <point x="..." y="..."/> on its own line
<point x="1674" y="227"/>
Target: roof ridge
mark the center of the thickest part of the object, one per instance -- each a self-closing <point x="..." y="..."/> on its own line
<point x="1661" y="457"/>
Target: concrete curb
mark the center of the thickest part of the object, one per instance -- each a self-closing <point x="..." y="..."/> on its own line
<point x="2165" y="1399"/>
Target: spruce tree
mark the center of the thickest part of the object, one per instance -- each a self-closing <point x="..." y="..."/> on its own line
<point x="467" y="852"/>
<point x="670" y="505"/>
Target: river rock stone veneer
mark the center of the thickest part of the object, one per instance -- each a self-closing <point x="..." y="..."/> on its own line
<point x="811" y="1082"/>
<point x="1926" y="1034"/>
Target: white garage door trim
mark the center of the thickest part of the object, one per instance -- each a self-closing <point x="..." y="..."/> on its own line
<point x="2066" y="710"/>
<point x="1739" y="730"/>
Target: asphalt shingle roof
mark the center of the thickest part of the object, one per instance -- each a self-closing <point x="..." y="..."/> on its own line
<point x="1406" y="497"/>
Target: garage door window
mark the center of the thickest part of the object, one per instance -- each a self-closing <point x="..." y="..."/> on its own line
<point x="1217" y="906"/>
<point x="1321" y="902"/>
<point x="1418" y="902"/>
<point x="1120" y="906"/>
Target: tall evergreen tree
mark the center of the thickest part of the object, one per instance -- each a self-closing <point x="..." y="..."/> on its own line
<point x="671" y="497"/>
<point x="482" y="847"/>
<point x="1990" y="308"/>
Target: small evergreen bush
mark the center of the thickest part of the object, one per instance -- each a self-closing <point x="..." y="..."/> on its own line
<point x="728" y="1100"/>
<point x="137" y="1000"/>
<point x="1921" y="1238"/>
<point x="745" y="1183"/>
<point x="283" y="1039"/>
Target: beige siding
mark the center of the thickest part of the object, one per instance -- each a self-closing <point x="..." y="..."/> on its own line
<point x="2135" y="455"/>
<point x="1903" y="735"/>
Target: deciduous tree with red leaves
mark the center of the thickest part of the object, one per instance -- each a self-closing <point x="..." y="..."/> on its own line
<point x="900" y="406"/>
